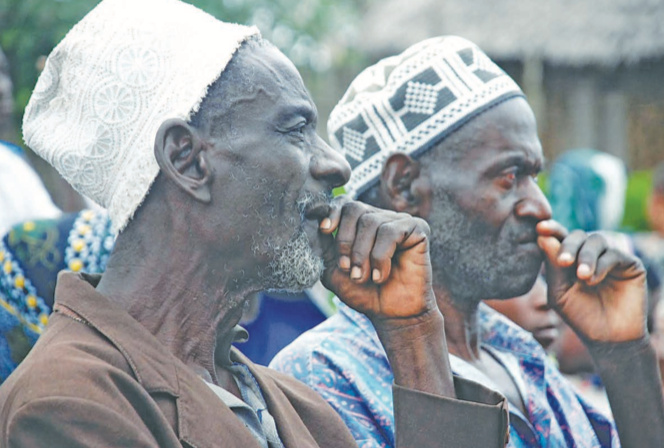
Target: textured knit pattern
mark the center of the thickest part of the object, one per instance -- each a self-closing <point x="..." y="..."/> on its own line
<point x="342" y="359"/>
<point x="107" y="87"/>
<point x="409" y="102"/>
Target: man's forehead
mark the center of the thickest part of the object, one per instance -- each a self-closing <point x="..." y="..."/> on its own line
<point x="273" y="79"/>
<point x="508" y="131"/>
<point x="273" y="71"/>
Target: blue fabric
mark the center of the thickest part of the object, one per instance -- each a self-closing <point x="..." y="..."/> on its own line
<point x="278" y="323"/>
<point x="575" y="188"/>
<point x="31" y="255"/>
<point x="343" y="360"/>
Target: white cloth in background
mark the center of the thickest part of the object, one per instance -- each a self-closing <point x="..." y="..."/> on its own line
<point x="22" y="193"/>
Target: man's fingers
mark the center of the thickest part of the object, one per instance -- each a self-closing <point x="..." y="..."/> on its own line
<point x="331" y="222"/>
<point x="552" y="228"/>
<point x="569" y="248"/>
<point x="347" y="228"/>
<point x="618" y="265"/>
<point x="589" y="252"/>
<point x="368" y="238"/>
<point x="400" y="234"/>
<point x="365" y="238"/>
<point x="383" y="251"/>
<point x="550" y="246"/>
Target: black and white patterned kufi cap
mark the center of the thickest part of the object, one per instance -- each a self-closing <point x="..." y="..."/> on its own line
<point x="409" y="102"/>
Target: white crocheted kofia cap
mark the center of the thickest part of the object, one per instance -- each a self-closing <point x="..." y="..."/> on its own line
<point x="411" y="101"/>
<point x="107" y="87"/>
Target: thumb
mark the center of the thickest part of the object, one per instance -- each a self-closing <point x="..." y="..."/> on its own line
<point x="550" y="246"/>
<point x="557" y="277"/>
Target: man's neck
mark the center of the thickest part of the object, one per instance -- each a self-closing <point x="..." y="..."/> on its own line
<point x="172" y="290"/>
<point x="461" y="324"/>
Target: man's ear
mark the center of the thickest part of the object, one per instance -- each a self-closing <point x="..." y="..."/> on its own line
<point x="181" y="156"/>
<point x="404" y="186"/>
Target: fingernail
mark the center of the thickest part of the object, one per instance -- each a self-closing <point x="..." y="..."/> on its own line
<point x="375" y="275"/>
<point x="356" y="273"/>
<point x="344" y="262"/>
<point x="566" y="257"/>
<point x="325" y="224"/>
<point x="583" y="270"/>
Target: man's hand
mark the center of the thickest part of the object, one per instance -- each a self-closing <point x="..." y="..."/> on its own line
<point x="379" y="262"/>
<point x="379" y="265"/>
<point x="598" y="290"/>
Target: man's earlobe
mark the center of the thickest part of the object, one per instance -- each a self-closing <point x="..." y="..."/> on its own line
<point x="181" y="156"/>
<point x="402" y="185"/>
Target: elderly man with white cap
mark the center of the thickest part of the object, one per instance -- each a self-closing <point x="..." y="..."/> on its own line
<point x="199" y="138"/>
<point x="442" y="133"/>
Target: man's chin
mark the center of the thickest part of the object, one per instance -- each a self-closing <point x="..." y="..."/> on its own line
<point x="295" y="266"/>
<point x="519" y="283"/>
<point x="318" y="241"/>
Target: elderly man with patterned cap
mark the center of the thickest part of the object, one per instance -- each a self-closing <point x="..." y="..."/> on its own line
<point x="199" y="138"/>
<point x="441" y="132"/>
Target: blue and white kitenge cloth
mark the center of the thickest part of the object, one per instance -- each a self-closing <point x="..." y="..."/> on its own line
<point x="31" y="255"/>
<point x="343" y="360"/>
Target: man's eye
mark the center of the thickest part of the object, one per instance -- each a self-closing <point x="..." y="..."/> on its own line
<point x="508" y="178"/>
<point x="298" y="130"/>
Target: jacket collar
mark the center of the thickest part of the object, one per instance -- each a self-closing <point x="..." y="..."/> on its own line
<point x="150" y="362"/>
<point x="203" y="419"/>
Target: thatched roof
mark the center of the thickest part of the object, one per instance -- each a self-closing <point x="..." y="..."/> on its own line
<point x="570" y="32"/>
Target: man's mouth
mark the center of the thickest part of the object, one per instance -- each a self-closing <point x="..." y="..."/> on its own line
<point x="315" y="206"/>
<point x="527" y="237"/>
<point x="546" y="335"/>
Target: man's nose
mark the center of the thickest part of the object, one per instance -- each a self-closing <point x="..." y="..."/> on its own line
<point x="533" y="204"/>
<point x="329" y="166"/>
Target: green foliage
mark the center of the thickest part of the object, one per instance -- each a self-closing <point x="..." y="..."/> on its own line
<point x="638" y="191"/>
<point x="30" y="29"/>
<point x="316" y="34"/>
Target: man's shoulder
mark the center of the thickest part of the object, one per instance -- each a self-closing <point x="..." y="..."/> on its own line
<point x="69" y="360"/>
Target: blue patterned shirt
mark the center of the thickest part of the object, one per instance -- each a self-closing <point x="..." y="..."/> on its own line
<point x="343" y="360"/>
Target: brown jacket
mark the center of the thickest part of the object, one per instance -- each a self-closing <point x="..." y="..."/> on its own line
<point x="102" y="380"/>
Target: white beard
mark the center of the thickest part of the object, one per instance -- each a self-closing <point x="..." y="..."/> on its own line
<point x="294" y="267"/>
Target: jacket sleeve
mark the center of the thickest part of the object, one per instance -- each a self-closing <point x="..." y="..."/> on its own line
<point x="630" y="373"/>
<point x="60" y="422"/>
<point x="477" y="417"/>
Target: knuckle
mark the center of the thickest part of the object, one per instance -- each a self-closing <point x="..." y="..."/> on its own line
<point x="344" y="246"/>
<point x="597" y="238"/>
<point x="388" y="230"/>
<point x="423" y="226"/>
<point x="576" y="236"/>
<point x="353" y="208"/>
<point x="357" y="255"/>
<point x="369" y="220"/>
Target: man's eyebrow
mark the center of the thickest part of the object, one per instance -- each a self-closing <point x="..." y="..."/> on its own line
<point x="303" y="110"/>
<point x="519" y="160"/>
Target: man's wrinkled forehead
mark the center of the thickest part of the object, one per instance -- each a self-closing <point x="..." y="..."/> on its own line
<point x="274" y="77"/>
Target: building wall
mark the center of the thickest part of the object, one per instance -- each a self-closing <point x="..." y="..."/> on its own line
<point x="618" y="110"/>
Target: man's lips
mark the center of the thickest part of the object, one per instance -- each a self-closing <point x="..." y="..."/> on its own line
<point x="318" y="211"/>
<point x="527" y="237"/>
<point x="546" y="335"/>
